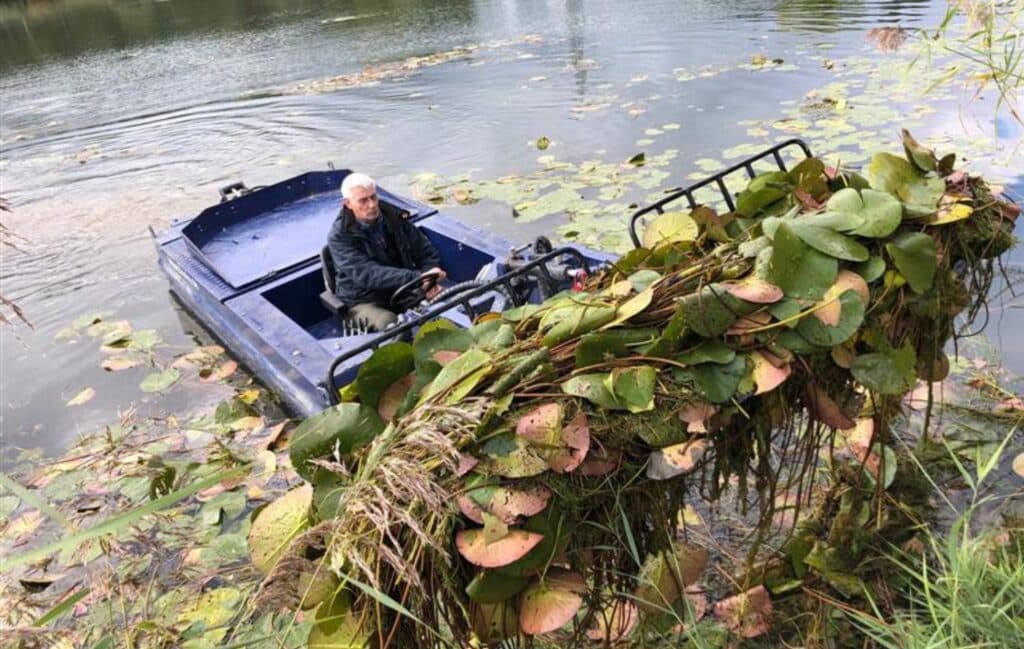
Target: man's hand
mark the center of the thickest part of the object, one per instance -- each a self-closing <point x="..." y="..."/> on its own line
<point x="432" y="285"/>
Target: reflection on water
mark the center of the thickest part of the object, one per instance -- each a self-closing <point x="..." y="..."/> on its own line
<point x="117" y="116"/>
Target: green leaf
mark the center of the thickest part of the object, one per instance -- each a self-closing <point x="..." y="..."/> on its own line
<point x="866" y="213"/>
<point x="922" y="157"/>
<point x="160" y="381"/>
<point x="593" y="388"/>
<point x="493" y="335"/>
<point x="470" y="367"/>
<point x="763" y="190"/>
<point x="708" y="351"/>
<point x="897" y="176"/>
<point x="799" y="270"/>
<point x="344" y="427"/>
<point x="916" y="258"/>
<point x="890" y="371"/>
<point x="122" y="521"/>
<point x="711" y="312"/>
<point x="670" y="227"/>
<point x="602" y="346"/>
<point x="871" y="269"/>
<point x="277" y="524"/>
<point x="633" y="387"/>
<point x="830" y="242"/>
<point x="818" y="333"/>
<point x="570" y="321"/>
<point x="489" y="587"/>
<point x="719" y="382"/>
<point x="388" y="364"/>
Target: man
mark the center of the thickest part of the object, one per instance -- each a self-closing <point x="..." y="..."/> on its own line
<point x="375" y="250"/>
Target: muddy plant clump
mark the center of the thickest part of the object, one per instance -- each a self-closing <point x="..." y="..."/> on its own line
<point x="527" y="477"/>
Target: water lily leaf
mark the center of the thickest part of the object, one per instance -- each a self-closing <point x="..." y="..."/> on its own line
<point x="570" y="321"/>
<point x="489" y="587"/>
<point x="144" y="340"/>
<point x="643" y="279"/>
<point x="542" y="425"/>
<point x="602" y="346"/>
<point x="762" y="191"/>
<point x="219" y="373"/>
<point x="84" y="396"/>
<point x="461" y="375"/>
<point x="342" y="428"/>
<point x="277" y="524"/>
<point x="916" y="258"/>
<point x="766" y="375"/>
<point x="493" y="623"/>
<point x="160" y="381"/>
<point x="493" y="335"/>
<point x="866" y="213"/>
<point x="338" y="626"/>
<point x="827" y="410"/>
<point x="890" y="371"/>
<point x="511" y="456"/>
<point x="670" y="227"/>
<point x="850" y="316"/>
<point x="213" y="608"/>
<point x="561" y="200"/>
<point x="474" y="548"/>
<point x="676" y="460"/>
<point x="711" y="311"/>
<point x="798" y="269"/>
<point x="637" y="160"/>
<point x="543" y="143"/>
<point x="719" y="382"/>
<point x="388" y="364"/>
<point x="614" y="622"/>
<point x="897" y="176"/>
<point x="708" y="351"/>
<point x="830" y="242"/>
<point x="593" y="388"/>
<point x="428" y="343"/>
<point x="390" y="401"/>
<point x="748" y="614"/>
<point x="509" y="505"/>
<point x="551" y="602"/>
<point x="952" y="213"/>
<point x="576" y="437"/>
<point x="664" y="576"/>
<point x="631" y="307"/>
<point x="871" y="269"/>
<point x="633" y="387"/>
<point x="753" y="289"/>
<point x="922" y="157"/>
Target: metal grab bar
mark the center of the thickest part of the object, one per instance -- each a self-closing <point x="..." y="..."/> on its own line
<point x="504" y="281"/>
<point x="719" y="180"/>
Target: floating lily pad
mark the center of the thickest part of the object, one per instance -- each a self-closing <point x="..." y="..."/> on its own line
<point x="160" y="381"/>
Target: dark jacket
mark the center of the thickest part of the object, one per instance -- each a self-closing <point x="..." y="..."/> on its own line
<point x="366" y="272"/>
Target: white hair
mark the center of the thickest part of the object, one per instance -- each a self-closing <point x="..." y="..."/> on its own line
<point x="354" y="180"/>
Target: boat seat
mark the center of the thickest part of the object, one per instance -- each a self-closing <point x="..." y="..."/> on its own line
<point x="327" y="297"/>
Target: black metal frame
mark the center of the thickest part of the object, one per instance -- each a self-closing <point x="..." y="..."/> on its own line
<point x="538" y="264"/>
<point x="718" y="179"/>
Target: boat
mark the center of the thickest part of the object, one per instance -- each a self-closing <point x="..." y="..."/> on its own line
<point x="254" y="271"/>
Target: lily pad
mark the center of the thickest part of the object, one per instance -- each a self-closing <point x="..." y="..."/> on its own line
<point x="830" y="242"/>
<point x="633" y="387"/>
<point x="720" y="382"/>
<point x="592" y="387"/>
<point x="920" y="194"/>
<point x="891" y="371"/>
<point x="798" y="269"/>
<point x="474" y="548"/>
<point x="388" y="364"/>
<point x="708" y="351"/>
<point x="82" y="397"/>
<point x="867" y="213"/>
<point x="489" y="587"/>
<point x="277" y="524"/>
<point x="850" y="316"/>
<point x="675" y="460"/>
<point x="342" y="428"/>
<point x="551" y="602"/>
<point x="916" y="258"/>
<point x="493" y="623"/>
<point x="670" y="227"/>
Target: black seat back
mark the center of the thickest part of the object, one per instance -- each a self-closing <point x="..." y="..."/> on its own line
<point x="327" y="266"/>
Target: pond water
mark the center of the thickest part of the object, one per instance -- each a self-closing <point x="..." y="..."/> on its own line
<point x="120" y="116"/>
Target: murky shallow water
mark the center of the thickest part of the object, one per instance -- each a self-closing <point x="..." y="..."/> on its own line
<point x="118" y="117"/>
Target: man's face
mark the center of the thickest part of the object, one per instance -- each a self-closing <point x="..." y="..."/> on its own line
<point x="363" y="203"/>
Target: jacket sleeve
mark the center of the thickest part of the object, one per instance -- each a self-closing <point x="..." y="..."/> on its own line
<point x="358" y="270"/>
<point x="426" y="254"/>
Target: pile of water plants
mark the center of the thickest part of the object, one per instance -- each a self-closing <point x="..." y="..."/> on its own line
<point x="528" y="480"/>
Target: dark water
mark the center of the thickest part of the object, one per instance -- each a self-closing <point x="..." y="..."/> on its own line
<point x="117" y="116"/>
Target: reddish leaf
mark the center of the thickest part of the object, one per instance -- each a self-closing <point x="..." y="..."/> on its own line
<point x="550" y="603"/>
<point x="615" y="622"/>
<point x="753" y="289"/>
<point x="393" y="396"/>
<point x="675" y="460"/>
<point x="748" y="614"/>
<point x="767" y="376"/>
<point x="827" y="410"/>
<point x="542" y="424"/>
<point x="510" y="548"/>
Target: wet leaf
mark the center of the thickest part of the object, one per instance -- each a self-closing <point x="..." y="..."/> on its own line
<point x="277" y="524"/>
<point x="665" y="576"/>
<point x="391" y="399"/>
<point x="888" y="372"/>
<point x="511" y="456"/>
<point x="467" y="370"/>
<point x="339" y="626"/>
<point x="599" y="347"/>
<point x="489" y="587"/>
<point x="762" y="191"/>
<point x="551" y="602"/>
<point x="160" y="381"/>
<point x="542" y="425"/>
<point x="753" y="289"/>
<point x="219" y="373"/>
<point x="388" y="364"/>
<point x="708" y="351"/>
<point x="670" y="227"/>
<point x="474" y="548"/>
<point x="720" y="382"/>
<point x="916" y="258"/>
<point x="866" y="213"/>
<point x="849" y="317"/>
<point x="748" y="614"/>
<point x="919" y="193"/>
<point x="799" y="270"/>
<point x="675" y="460"/>
<point x="214" y="608"/>
<point x="922" y="157"/>
<point x="82" y="397"/>
<point x="633" y="387"/>
<point x="766" y="375"/>
<point x="637" y="160"/>
<point x="614" y="622"/>
<point x="593" y="388"/>
<point x="342" y="428"/>
<point x="830" y="242"/>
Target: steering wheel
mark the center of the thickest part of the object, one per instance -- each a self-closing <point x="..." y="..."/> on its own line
<point x="414" y="291"/>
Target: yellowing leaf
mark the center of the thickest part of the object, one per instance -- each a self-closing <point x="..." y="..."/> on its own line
<point x="670" y="227"/>
<point x="84" y="396"/>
